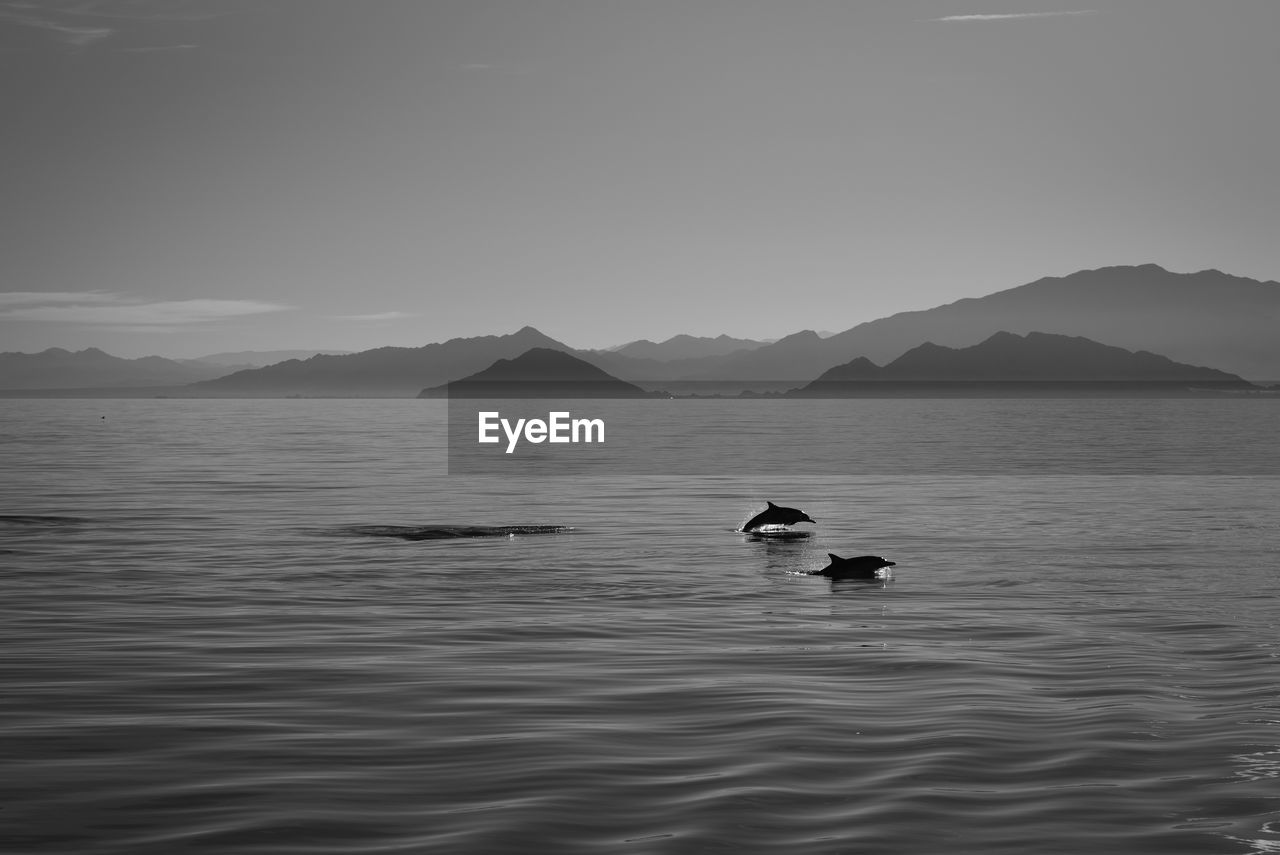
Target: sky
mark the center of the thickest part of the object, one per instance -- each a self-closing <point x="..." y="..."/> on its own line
<point x="182" y="177"/>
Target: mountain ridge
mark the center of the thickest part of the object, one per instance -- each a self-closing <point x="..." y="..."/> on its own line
<point x="241" y="359"/>
<point x="1184" y="316"/>
<point x="59" y="368"/>
<point x="684" y="346"/>
<point x="384" y="371"/>
<point x="1205" y="318"/>
<point x="1045" y="359"/>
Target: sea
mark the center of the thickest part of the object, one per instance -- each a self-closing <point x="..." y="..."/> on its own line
<point x="292" y="626"/>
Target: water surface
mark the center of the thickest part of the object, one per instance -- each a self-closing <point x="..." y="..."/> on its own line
<point x="198" y="660"/>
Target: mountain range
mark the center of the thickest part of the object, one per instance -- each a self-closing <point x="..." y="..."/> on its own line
<point x="56" y="368"/>
<point x="685" y="347"/>
<point x="1207" y="318"/>
<point x="1204" y="318"/>
<point x="259" y="358"/>
<point x="382" y="372"/>
<point x="1036" y="360"/>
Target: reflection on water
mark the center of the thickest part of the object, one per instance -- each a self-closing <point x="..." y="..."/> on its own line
<point x="195" y="663"/>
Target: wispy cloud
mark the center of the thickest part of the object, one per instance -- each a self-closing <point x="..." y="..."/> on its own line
<point x="1016" y="16"/>
<point x="99" y="308"/>
<point x="81" y="23"/>
<point x="30" y="16"/>
<point x="378" y="316"/>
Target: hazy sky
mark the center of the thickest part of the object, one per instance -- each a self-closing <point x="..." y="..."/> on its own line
<point x="188" y="177"/>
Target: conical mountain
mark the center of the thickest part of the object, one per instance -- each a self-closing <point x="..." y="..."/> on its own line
<point x="384" y="371"/>
<point x="538" y="373"/>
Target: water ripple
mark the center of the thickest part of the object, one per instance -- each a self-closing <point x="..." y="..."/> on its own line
<point x="189" y="669"/>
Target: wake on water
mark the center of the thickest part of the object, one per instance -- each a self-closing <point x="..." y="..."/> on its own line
<point x="776" y="531"/>
<point x="447" y="532"/>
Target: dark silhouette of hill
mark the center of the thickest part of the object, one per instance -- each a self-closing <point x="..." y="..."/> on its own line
<point x="685" y="347"/>
<point x="56" y="368"/>
<point x="1027" y="362"/>
<point x="538" y="373"/>
<point x="1204" y="318"/>
<point x="384" y="371"/>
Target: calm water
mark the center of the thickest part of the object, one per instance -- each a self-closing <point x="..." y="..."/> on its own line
<point x="198" y="658"/>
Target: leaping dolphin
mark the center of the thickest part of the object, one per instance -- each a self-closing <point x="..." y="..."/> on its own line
<point x="859" y="567"/>
<point x="774" y="515"/>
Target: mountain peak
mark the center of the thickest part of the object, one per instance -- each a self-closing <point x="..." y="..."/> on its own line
<point x="539" y="372"/>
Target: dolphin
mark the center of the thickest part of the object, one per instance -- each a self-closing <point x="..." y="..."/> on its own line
<point x="859" y="567"/>
<point x="774" y="515"/>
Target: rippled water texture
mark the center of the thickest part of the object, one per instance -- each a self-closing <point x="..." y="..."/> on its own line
<point x="197" y="658"/>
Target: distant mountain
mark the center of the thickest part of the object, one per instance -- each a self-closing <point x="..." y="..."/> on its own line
<point x="1205" y="318"/>
<point x="634" y="368"/>
<point x="259" y="358"/>
<point x="383" y="372"/>
<point x="57" y="368"/>
<point x="786" y="359"/>
<point x="538" y="373"/>
<point x="1036" y="359"/>
<point x="794" y="357"/>
<point x="685" y="347"/>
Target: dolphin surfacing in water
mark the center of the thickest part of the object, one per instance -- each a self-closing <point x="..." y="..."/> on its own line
<point x="774" y="515"/>
<point x="866" y="567"/>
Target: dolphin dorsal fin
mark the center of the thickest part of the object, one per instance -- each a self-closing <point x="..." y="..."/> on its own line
<point x="834" y="557"/>
<point x="771" y="504"/>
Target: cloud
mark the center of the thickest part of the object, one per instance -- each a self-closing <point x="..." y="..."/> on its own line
<point x="379" y="316"/>
<point x="73" y="34"/>
<point x="98" y="308"/>
<point x="1013" y="16"/>
<point x="81" y="23"/>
